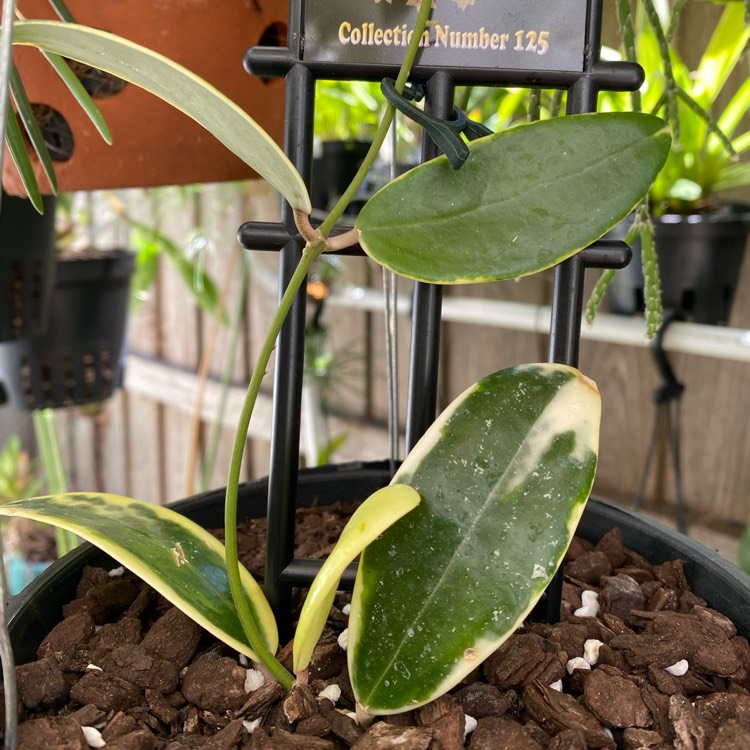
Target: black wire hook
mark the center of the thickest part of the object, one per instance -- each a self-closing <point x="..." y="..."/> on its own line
<point x="445" y="133"/>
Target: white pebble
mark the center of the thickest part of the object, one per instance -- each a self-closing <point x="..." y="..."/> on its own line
<point x="557" y="686"/>
<point x="470" y="724"/>
<point x="346" y="609"/>
<point x="577" y="663"/>
<point x="679" y="669"/>
<point x="343" y="639"/>
<point x="243" y="660"/>
<point x="590" y="602"/>
<point x="116" y="572"/>
<point x="254" y="680"/>
<point x="608" y="732"/>
<point x="93" y="737"/>
<point x="93" y="666"/>
<point x="332" y="692"/>
<point x="589" y="598"/>
<point x="251" y="726"/>
<point x="591" y="650"/>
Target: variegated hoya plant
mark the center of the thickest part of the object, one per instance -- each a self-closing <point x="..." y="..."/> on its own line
<point x="460" y="546"/>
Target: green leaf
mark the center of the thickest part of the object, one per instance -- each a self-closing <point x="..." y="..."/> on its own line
<point x="733" y="176"/>
<point x="33" y="131"/>
<point x="22" y="160"/>
<point x="725" y="48"/>
<point x="381" y="510"/>
<point x="526" y="199"/>
<point x="77" y="89"/>
<point x="146" y="267"/>
<point x="62" y="11"/>
<point x="197" y="280"/>
<point x="503" y="474"/>
<point x="149" y="243"/>
<point x="177" y="86"/>
<point x="736" y="109"/>
<point x="178" y="558"/>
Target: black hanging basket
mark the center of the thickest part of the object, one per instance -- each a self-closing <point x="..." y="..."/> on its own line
<point x="700" y="256"/>
<point x="77" y="360"/>
<point x="334" y="169"/>
<point x="35" y="611"/>
<point x="27" y="266"/>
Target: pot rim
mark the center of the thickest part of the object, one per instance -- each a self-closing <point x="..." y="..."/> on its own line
<point x="722" y="584"/>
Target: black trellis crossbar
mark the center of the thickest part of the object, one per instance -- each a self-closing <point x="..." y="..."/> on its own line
<point x="282" y="569"/>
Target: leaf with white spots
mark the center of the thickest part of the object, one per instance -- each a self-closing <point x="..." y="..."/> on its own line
<point x="503" y="474"/>
<point x="178" y="558"/>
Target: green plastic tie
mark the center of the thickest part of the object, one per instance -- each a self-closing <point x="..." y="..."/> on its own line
<point x="446" y="134"/>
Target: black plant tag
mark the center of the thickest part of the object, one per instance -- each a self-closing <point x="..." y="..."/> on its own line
<point x="533" y="35"/>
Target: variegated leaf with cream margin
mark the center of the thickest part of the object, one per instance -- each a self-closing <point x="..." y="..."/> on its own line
<point x="381" y="510"/>
<point x="503" y="474"/>
<point x="182" y="561"/>
<point x="519" y="203"/>
<point x="177" y="86"/>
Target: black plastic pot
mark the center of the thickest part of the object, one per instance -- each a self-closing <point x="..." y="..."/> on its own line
<point x="700" y="256"/>
<point x="725" y="587"/>
<point x="77" y="360"/>
<point x="27" y="266"/>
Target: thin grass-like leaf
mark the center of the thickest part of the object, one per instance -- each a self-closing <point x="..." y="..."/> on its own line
<point x="733" y="176"/>
<point x="17" y="148"/>
<point x="31" y="125"/>
<point x="726" y="46"/>
<point x="80" y="94"/>
<point x="177" y="86"/>
<point x="62" y="11"/>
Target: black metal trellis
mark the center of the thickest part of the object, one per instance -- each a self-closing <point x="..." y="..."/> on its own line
<point x="303" y="63"/>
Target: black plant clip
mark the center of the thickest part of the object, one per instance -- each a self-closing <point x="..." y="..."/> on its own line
<point x="445" y="133"/>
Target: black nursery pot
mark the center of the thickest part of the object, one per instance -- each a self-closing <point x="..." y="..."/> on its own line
<point x="27" y="266"/>
<point x="333" y="171"/>
<point x="700" y="256"/>
<point x="34" y="612"/>
<point x="77" y="360"/>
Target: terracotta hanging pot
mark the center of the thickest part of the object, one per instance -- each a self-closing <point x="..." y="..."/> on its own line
<point x="153" y="143"/>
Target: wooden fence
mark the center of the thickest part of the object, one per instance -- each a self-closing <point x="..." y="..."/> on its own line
<point x="148" y="442"/>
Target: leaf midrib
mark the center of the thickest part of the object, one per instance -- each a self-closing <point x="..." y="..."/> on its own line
<point x="491" y="500"/>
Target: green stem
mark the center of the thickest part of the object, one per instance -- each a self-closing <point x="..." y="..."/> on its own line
<point x="57" y="483"/>
<point x="230" y="508"/>
<point x="385" y="123"/>
<point x="670" y="85"/>
<point x="314" y="248"/>
<point x="627" y="31"/>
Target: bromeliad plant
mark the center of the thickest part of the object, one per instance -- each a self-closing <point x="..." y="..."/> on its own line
<point x="473" y="526"/>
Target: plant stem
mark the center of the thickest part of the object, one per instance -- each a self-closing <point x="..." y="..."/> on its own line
<point x="311" y="252"/>
<point x="385" y="122"/>
<point x="57" y="483"/>
<point x="230" y="507"/>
